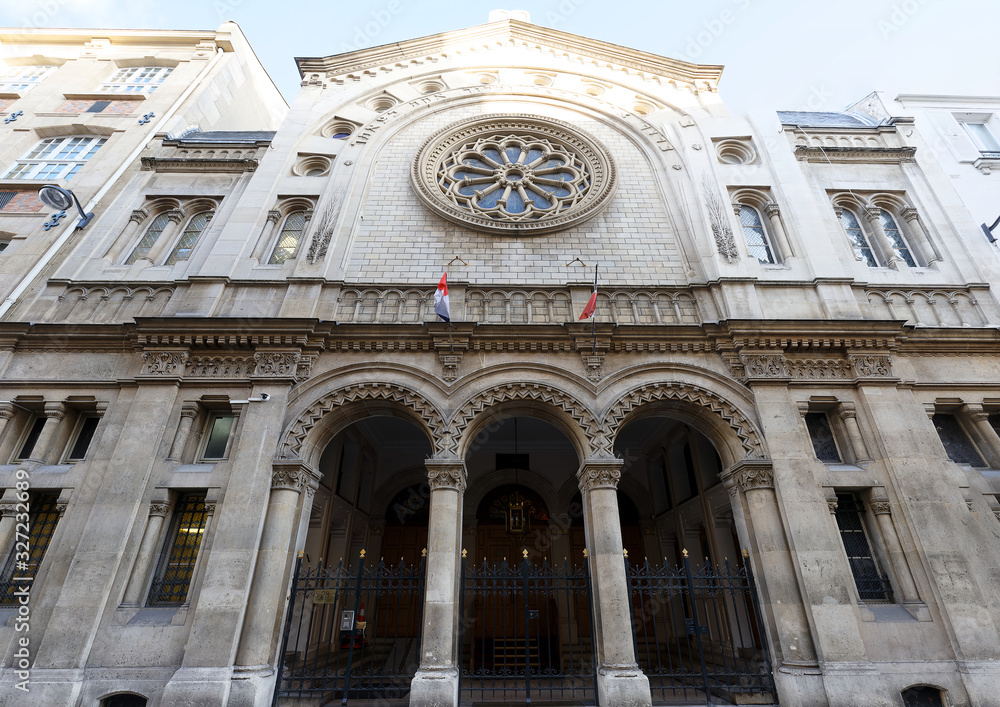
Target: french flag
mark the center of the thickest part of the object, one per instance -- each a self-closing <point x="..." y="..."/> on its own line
<point x="588" y="311"/>
<point x="441" y="306"/>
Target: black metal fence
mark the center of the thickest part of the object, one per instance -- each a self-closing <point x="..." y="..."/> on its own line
<point x="526" y="634"/>
<point x="698" y="632"/>
<point x="351" y="634"/>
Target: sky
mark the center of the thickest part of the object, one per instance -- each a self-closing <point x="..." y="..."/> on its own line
<point x="778" y="54"/>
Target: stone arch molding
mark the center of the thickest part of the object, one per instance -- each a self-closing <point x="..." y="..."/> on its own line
<point x="622" y="408"/>
<point x="295" y="437"/>
<point x="554" y="398"/>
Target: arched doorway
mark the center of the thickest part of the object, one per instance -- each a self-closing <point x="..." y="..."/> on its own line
<point x="695" y="616"/>
<point x="356" y="599"/>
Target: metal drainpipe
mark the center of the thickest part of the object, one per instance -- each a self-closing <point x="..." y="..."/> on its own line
<point x="68" y="231"/>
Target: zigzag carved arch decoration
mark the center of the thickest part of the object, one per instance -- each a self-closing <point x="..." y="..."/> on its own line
<point x="746" y="432"/>
<point x="294" y="439"/>
<point x="539" y="392"/>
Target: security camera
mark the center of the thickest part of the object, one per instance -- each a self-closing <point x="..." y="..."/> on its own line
<point x="265" y="396"/>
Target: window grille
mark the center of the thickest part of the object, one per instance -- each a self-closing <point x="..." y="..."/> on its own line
<point x="98" y="106"/>
<point x="862" y="250"/>
<point x="872" y="584"/>
<point x="753" y="232"/>
<point x="823" y="441"/>
<point x="137" y="79"/>
<point x="288" y="240"/>
<point x="175" y="569"/>
<point x="188" y="240"/>
<point x="956" y="443"/>
<point x="5" y="197"/>
<point x="56" y="158"/>
<point x="43" y="515"/>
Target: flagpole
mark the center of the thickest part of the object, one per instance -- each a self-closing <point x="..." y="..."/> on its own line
<point x="593" y="319"/>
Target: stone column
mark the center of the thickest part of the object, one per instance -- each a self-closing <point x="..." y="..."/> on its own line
<point x="54" y="414"/>
<point x="265" y="603"/>
<point x="776" y="578"/>
<point x="436" y="681"/>
<point x="127" y="237"/>
<point x="926" y="245"/>
<point x="893" y="548"/>
<point x="991" y="440"/>
<point x="188" y="412"/>
<point x="619" y="679"/>
<point x="849" y="416"/>
<point x="872" y="215"/>
<point x="147" y="552"/>
<point x="777" y="228"/>
<point x="6" y="413"/>
<point x="8" y="511"/>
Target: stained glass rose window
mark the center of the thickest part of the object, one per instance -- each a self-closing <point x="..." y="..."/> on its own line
<point x="514" y="174"/>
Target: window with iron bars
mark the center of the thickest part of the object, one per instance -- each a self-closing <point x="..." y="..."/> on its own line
<point x="175" y="569"/>
<point x="873" y="586"/>
<point x="43" y="516"/>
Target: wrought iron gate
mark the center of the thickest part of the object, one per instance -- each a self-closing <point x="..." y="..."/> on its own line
<point x="697" y="632"/>
<point x="526" y="633"/>
<point x="351" y="633"/>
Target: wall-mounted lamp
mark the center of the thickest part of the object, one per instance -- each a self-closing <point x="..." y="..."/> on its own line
<point x="988" y="230"/>
<point x="62" y="199"/>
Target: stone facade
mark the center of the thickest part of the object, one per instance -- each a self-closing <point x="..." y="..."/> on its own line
<point x="777" y="359"/>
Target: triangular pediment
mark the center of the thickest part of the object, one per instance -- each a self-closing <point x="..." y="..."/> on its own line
<point x="516" y="32"/>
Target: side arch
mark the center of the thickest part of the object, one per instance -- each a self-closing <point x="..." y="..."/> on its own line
<point x="306" y="436"/>
<point x="734" y="435"/>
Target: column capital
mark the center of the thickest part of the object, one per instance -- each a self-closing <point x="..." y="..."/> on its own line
<point x="749" y="474"/>
<point x="6" y="411"/>
<point x="599" y="474"/>
<point x="446" y="474"/>
<point x="293" y="475"/>
<point x="879" y="507"/>
<point x="772" y="209"/>
<point x="55" y="410"/>
<point x="872" y="213"/>
<point x="159" y="507"/>
<point x="175" y="215"/>
<point x="8" y="509"/>
<point x="975" y="412"/>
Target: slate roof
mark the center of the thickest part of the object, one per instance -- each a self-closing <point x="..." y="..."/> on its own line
<point x="229" y="137"/>
<point x="825" y="120"/>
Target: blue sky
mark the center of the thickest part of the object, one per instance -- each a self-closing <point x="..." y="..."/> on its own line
<point x="779" y="54"/>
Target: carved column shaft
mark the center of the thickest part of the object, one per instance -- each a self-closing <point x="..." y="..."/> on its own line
<point x="873" y="217"/>
<point x="54" y="414"/>
<point x="893" y="548"/>
<point x="850" y="420"/>
<point x="436" y="681"/>
<point x="619" y="679"/>
<point x="981" y="419"/>
<point x="920" y="234"/>
<point x="778" y="229"/>
<point x="288" y="480"/>
<point x="756" y="481"/>
<point x="188" y="414"/>
<point x="147" y="552"/>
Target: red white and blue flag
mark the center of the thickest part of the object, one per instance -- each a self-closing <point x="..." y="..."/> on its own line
<point x="441" y="306"/>
<point x="591" y="307"/>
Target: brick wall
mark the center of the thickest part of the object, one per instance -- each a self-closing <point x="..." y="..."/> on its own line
<point x="5" y="102"/>
<point x="24" y="202"/>
<point x="81" y="106"/>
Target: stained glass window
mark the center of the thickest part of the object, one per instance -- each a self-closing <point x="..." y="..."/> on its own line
<point x="899" y="246"/>
<point x="176" y="566"/>
<point x="43" y="515"/>
<point x="288" y="240"/>
<point x="188" y="239"/>
<point x="753" y="231"/>
<point x="862" y="251"/>
<point x="149" y="238"/>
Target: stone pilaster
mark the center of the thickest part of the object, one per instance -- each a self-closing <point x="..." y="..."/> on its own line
<point x="619" y="679"/>
<point x="436" y="681"/>
<point x="54" y="414"/>
<point x="188" y="413"/>
<point x="147" y="552"/>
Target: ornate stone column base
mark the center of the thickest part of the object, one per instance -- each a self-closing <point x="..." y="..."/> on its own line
<point x="253" y="685"/>
<point x="623" y="686"/>
<point x="434" y="687"/>
<point x="200" y="686"/>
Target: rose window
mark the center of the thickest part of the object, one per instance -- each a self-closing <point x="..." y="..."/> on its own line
<point x="513" y="174"/>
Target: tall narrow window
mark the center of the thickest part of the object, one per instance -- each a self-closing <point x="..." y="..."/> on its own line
<point x="188" y="240"/>
<point x="220" y="428"/>
<point x="82" y="438"/>
<point x="175" y="569"/>
<point x="899" y="246"/>
<point x="56" y="158"/>
<point x="288" y="240"/>
<point x="982" y="137"/>
<point x="824" y="444"/>
<point x="31" y="438"/>
<point x="862" y="250"/>
<point x="957" y="444"/>
<point x="756" y="237"/>
<point x="22" y="79"/>
<point x="149" y="238"/>
<point x="43" y="515"/>
<point x="136" y="79"/>
<point x="872" y="584"/>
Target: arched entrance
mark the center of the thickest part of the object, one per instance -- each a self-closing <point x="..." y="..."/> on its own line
<point x="526" y="630"/>
<point x="353" y="628"/>
<point x="695" y="617"/>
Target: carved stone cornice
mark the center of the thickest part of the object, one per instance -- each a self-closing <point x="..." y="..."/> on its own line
<point x="599" y="474"/>
<point x="748" y="475"/>
<point x="764" y="366"/>
<point x="293" y="475"/>
<point x="860" y="155"/>
<point x="446" y="474"/>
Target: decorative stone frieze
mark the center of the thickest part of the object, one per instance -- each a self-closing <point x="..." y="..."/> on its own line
<point x="819" y="368"/>
<point x="293" y="475"/>
<point x="276" y="364"/>
<point x="770" y="365"/>
<point x="860" y="155"/>
<point x="163" y="363"/>
<point x="216" y="366"/>
<point x="871" y="365"/>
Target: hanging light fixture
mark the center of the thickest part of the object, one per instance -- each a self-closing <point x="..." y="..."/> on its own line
<point x="517" y="516"/>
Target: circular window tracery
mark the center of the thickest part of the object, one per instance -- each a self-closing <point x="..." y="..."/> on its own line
<point x="514" y="174"/>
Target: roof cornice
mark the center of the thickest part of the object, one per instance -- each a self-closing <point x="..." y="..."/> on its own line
<point x="507" y="30"/>
<point x="46" y="35"/>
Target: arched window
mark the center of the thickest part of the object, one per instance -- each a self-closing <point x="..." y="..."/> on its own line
<point x="188" y="239"/>
<point x="124" y="699"/>
<point x="149" y="238"/>
<point x="56" y="158"/>
<point x="136" y="79"/>
<point x="895" y="237"/>
<point x="289" y="238"/>
<point x="857" y="238"/>
<point x="756" y="237"/>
